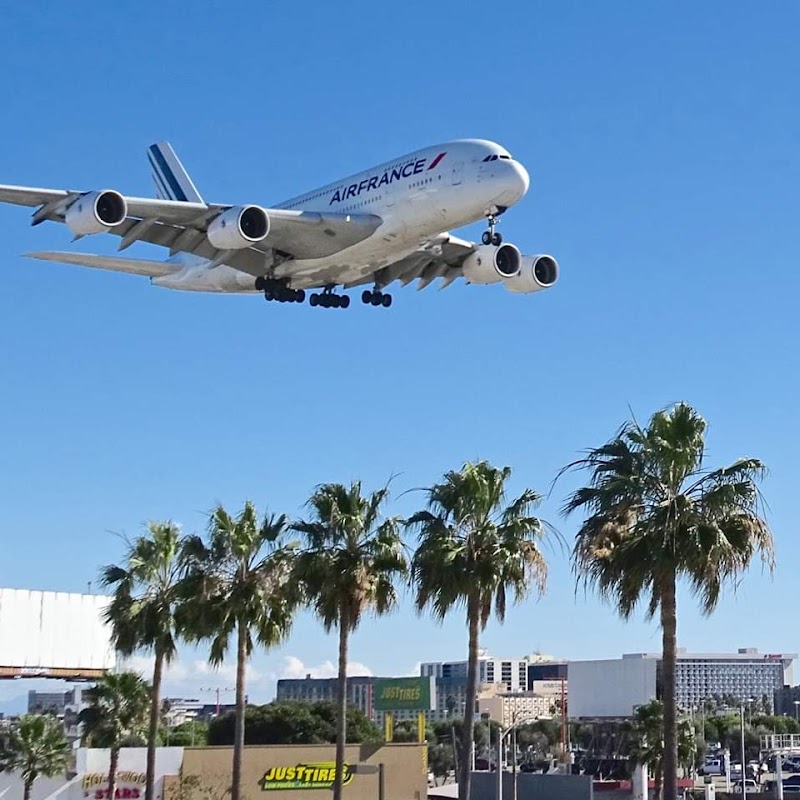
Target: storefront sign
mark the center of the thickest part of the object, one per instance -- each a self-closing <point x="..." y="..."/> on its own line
<point x="318" y="775"/>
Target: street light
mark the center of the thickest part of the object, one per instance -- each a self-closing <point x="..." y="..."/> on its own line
<point x="796" y="704"/>
<point x="516" y="719"/>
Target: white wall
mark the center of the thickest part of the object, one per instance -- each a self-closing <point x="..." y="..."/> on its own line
<point x="610" y="688"/>
<point x="54" y="630"/>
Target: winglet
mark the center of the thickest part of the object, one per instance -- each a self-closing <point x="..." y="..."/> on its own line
<point x="171" y="179"/>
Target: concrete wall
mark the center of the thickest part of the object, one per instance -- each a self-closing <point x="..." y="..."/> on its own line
<point x="610" y="688"/>
<point x="406" y="771"/>
<point x="532" y="787"/>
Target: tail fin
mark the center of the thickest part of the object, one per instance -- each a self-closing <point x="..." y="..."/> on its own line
<point x="171" y="179"/>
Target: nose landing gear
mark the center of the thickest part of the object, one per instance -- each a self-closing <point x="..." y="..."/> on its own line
<point x="490" y="236"/>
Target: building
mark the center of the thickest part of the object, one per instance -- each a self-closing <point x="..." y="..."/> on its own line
<point x="178" y="711"/>
<point x="314" y="690"/>
<point x="510" y="707"/>
<point x="513" y="672"/>
<point x="49" y="702"/>
<point x="546" y="668"/>
<point x="613" y="688"/>
<point x="787" y="701"/>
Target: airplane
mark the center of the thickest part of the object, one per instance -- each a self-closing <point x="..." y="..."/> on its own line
<point x="386" y="224"/>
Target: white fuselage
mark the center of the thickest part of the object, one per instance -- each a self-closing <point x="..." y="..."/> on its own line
<point x="418" y="196"/>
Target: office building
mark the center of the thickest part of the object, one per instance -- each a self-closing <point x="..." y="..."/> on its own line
<point x="512" y="673"/>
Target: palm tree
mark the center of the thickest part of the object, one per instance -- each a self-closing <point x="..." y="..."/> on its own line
<point x="241" y="580"/>
<point x="352" y="559"/>
<point x="142" y="612"/>
<point x="647" y="741"/>
<point x="117" y="710"/>
<point x="655" y="514"/>
<point x="473" y="550"/>
<point x="36" y="746"/>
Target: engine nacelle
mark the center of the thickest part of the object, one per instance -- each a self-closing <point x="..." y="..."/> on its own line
<point x="96" y="212"/>
<point x="238" y="227"/>
<point x="536" y="273"/>
<point x="490" y="264"/>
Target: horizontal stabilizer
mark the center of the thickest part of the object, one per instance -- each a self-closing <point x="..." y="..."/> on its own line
<point x="134" y="266"/>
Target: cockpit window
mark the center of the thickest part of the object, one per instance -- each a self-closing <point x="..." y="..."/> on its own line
<point x="494" y="157"/>
<point x="508" y="157"/>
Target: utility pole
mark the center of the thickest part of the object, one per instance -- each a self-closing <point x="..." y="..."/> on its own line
<point x="216" y="690"/>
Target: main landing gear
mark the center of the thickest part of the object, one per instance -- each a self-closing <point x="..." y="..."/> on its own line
<point x="490" y="236"/>
<point x="376" y="297"/>
<point x="329" y="300"/>
<point x="278" y="290"/>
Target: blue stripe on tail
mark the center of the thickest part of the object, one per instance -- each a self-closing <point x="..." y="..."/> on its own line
<point x="156" y="158"/>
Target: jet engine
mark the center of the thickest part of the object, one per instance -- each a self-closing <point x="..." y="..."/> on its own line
<point x="96" y="212"/>
<point x="489" y="264"/>
<point x="536" y="273"/>
<point x="238" y="227"/>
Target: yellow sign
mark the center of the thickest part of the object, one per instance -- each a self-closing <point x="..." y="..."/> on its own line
<point x="318" y="775"/>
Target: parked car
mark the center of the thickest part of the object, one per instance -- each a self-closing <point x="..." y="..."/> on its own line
<point x="714" y="766"/>
<point x="750" y="786"/>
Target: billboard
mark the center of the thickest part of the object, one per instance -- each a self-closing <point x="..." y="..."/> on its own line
<point x="610" y="688"/>
<point x="54" y="635"/>
<point x="404" y="694"/>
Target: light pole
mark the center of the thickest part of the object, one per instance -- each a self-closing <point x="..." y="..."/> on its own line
<point x="796" y="704"/>
<point x="516" y="719"/>
<point x="741" y="711"/>
<point x="744" y="785"/>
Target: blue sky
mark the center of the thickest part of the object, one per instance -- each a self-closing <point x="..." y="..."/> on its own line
<point x="661" y="141"/>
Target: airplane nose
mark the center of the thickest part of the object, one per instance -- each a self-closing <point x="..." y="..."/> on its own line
<point x="522" y="178"/>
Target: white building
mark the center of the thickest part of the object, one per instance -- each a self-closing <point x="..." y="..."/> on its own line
<point x="613" y="688"/>
<point x="512" y="672"/>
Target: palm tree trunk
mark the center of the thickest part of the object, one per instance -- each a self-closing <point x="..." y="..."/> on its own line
<point x="238" y="739"/>
<point x="658" y="778"/>
<point x="341" y="703"/>
<point x="152" y="736"/>
<point x="112" y="772"/>
<point x="668" y="659"/>
<point x="468" y="735"/>
<point x="26" y="791"/>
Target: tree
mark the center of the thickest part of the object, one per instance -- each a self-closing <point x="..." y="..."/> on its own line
<point x="117" y="710"/>
<point x="352" y="558"/>
<point x="473" y="550"/>
<point x="647" y="741"/>
<point x="654" y="514"/>
<point x="237" y="586"/>
<point x="142" y="612"/>
<point x="290" y="722"/>
<point x="35" y="746"/>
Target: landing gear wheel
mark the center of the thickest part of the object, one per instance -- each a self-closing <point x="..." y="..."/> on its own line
<point x="261" y="283"/>
<point x="344" y="301"/>
<point x="366" y="297"/>
<point x="314" y="300"/>
<point x="489" y="236"/>
<point x="376" y="299"/>
<point x="300" y="296"/>
<point x="386" y="300"/>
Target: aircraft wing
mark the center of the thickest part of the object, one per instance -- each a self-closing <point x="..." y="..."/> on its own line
<point x="181" y="226"/>
<point x="439" y="258"/>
